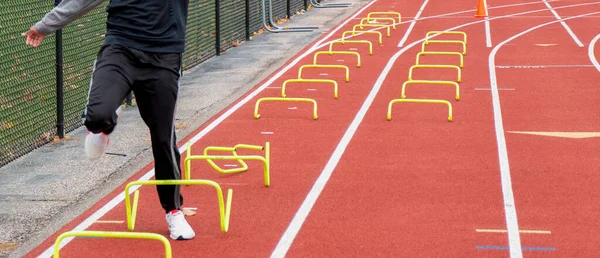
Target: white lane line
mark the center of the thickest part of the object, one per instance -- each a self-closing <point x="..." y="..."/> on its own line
<point x="488" y="32"/>
<point x="540" y="66"/>
<point x="291" y="232"/>
<point x="591" y="53"/>
<point x="120" y="198"/>
<point x="412" y="24"/>
<point x="564" y="24"/>
<point x="512" y="225"/>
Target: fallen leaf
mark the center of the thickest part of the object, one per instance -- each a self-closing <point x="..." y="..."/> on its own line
<point x="6" y="125"/>
<point x="181" y="126"/>
<point x="66" y="138"/>
<point x="7" y="246"/>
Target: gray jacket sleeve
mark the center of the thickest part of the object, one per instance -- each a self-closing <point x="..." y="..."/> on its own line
<point x="66" y="12"/>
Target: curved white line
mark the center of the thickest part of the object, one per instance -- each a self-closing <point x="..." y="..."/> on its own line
<point x="591" y="52"/>
<point x="512" y="225"/>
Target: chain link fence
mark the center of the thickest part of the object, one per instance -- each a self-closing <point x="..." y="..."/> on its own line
<point x="28" y="89"/>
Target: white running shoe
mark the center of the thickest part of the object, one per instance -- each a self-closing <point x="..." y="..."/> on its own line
<point x="178" y="226"/>
<point x="95" y="144"/>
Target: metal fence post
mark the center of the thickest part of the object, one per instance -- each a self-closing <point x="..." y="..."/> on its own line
<point x="218" y="26"/>
<point x="305" y="5"/>
<point x="60" y="116"/>
<point x="288" y="9"/>
<point x="247" y="19"/>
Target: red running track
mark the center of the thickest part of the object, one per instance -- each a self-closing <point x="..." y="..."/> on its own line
<point x="415" y="186"/>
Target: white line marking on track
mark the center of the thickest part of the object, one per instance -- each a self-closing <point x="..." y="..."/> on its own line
<point x="353" y="48"/>
<point x="564" y="24"/>
<point x="412" y="24"/>
<point x="539" y="66"/>
<point x="323" y="74"/>
<point x="512" y="225"/>
<point x="293" y="108"/>
<point x="230" y="165"/>
<point x="311" y="89"/>
<point x="120" y="198"/>
<point x="488" y="33"/>
<point x="591" y="53"/>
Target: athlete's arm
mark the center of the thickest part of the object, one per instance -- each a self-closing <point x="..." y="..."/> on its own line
<point x="64" y="13"/>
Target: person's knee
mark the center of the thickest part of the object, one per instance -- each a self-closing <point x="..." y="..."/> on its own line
<point x="98" y="121"/>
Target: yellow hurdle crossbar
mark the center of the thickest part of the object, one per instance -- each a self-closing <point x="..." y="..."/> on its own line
<point x="462" y="62"/>
<point x="224" y="208"/>
<point x="256" y="115"/>
<point x="448" y="32"/>
<point x="410" y="71"/>
<point x="433" y="101"/>
<point x="343" y="42"/>
<point x="393" y="24"/>
<point x="373" y="25"/>
<point x="403" y="96"/>
<point x="110" y="234"/>
<point x="386" y="13"/>
<point x="335" y="85"/>
<point x="325" y="66"/>
<point x="427" y="42"/>
<point x="240" y="158"/>
<point x="337" y="53"/>
<point x="363" y="32"/>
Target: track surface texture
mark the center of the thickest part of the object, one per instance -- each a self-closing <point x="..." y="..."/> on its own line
<point x="513" y="174"/>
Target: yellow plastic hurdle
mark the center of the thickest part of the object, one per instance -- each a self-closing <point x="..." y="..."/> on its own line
<point x="403" y="96"/>
<point x="373" y="25"/>
<point x="410" y="72"/>
<point x="224" y="208"/>
<point x="239" y="158"/>
<point x="393" y="24"/>
<point x="460" y="55"/>
<point x="110" y="234"/>
<point x="337" y="53"/>
<point x="256" y="115"/>
<point x="385" y="13"/>
<point x="427" y="42"/>
<point x="335" y="85"/>
<point x="433" y="101"/>
<point x="448" y="32"/>
<point x="325" y="66"/>
<point x="363" y="32"/>
<point x="343" y="42"/>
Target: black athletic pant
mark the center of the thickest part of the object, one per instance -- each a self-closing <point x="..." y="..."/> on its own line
<point x="153" y="78"/>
